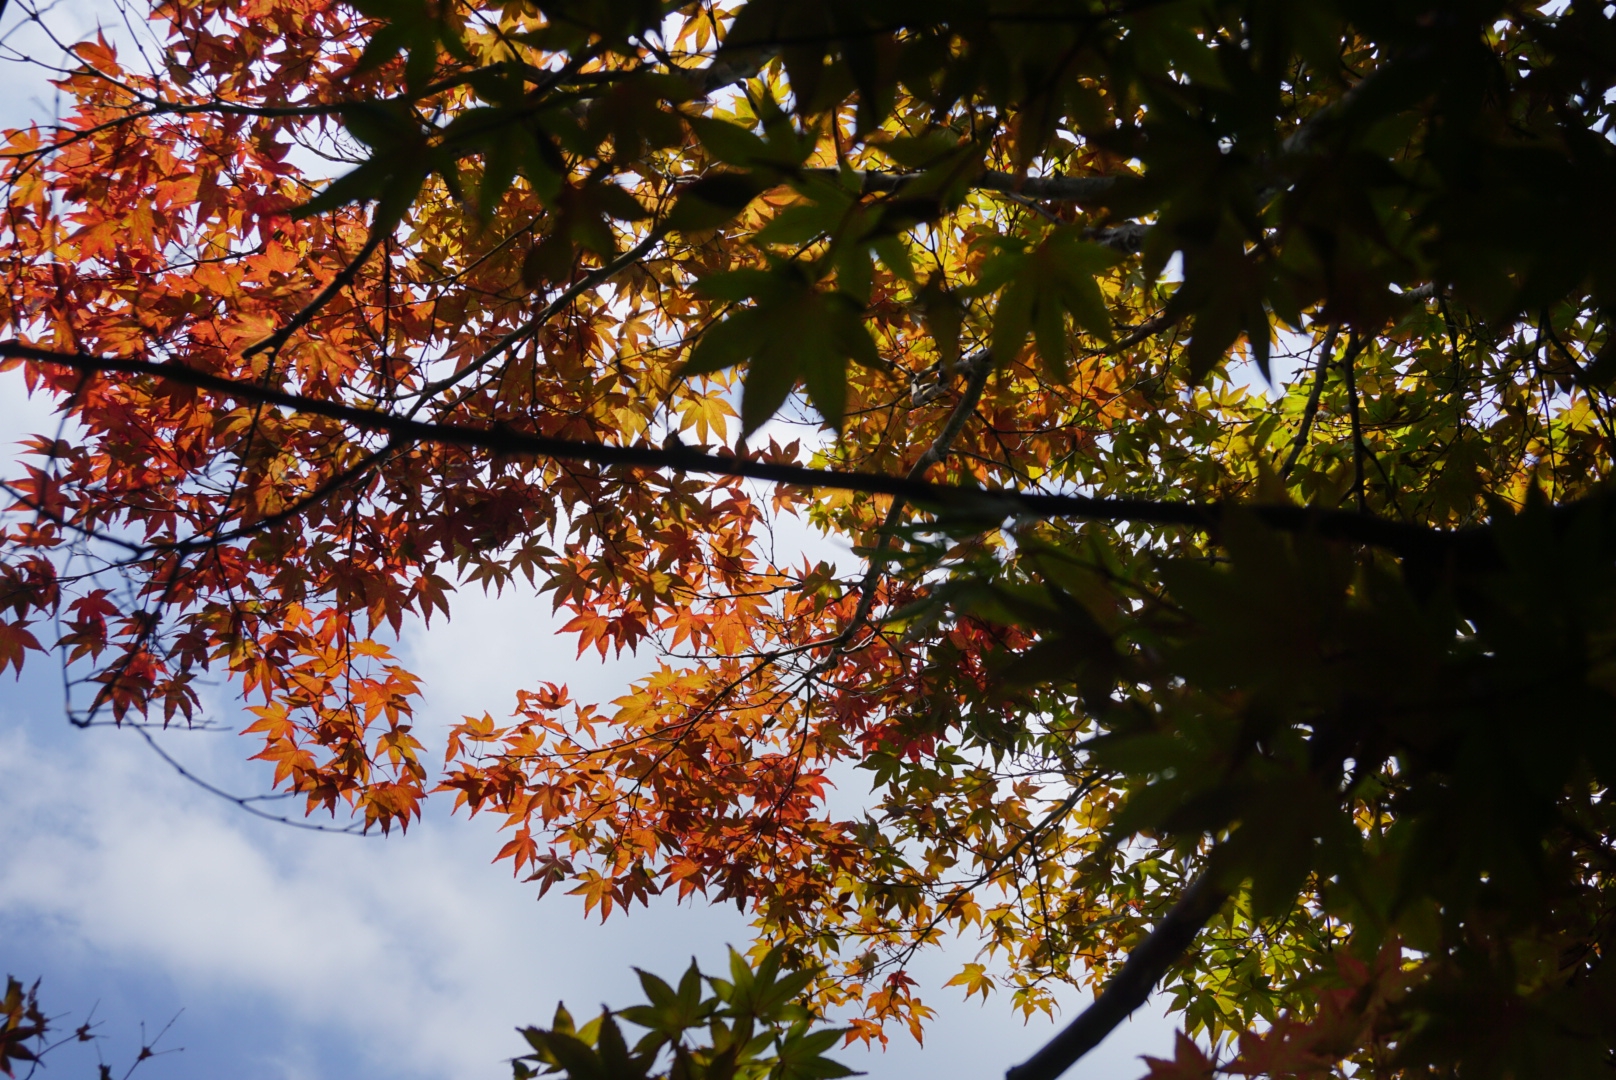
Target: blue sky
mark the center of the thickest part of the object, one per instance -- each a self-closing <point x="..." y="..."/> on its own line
<point x="289" y="955"/>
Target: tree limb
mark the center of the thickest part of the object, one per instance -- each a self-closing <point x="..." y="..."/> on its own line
<point x="1400" y="537"/>
<point x="1312" y="409"/>
<point x="980" y="367"/>
<point x="1130" y="987"/>
<point x="272" y="344"/>
<point x="1349" y="369"/>
<point x="533" y="325"/>
<point x="1078" y="189"/>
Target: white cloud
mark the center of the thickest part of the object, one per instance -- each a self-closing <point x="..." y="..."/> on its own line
<point x="494" y="645"/>
<point x="414" y="946"/>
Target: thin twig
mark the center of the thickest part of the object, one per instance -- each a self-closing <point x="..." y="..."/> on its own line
<point x="1321" y="369"/>
<point x="343" y="279"/>
<point x="1349" y="368"/>
<point x="243" y="802"/>
<point x="544" y="315"/>
<point x="980" y="367"/>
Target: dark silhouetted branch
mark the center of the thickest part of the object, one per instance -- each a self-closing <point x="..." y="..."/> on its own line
<point x="1322" y="369"/>
<point x="1078" y="189"/>
<point x="1130" y="987"/>
<point x="1400" y="537"/>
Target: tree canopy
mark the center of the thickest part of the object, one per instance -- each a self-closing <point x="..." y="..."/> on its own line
<point x="1216" y="393"/>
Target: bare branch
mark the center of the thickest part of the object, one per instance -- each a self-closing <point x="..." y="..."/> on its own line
<point x="272" y="344"/>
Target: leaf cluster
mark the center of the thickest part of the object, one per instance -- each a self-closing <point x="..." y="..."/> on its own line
<point x="748" y="1026"/>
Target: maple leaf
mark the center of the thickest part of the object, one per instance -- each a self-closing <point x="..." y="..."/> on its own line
<point x="15" y="640"/>
<point x="1189" y="1062"/>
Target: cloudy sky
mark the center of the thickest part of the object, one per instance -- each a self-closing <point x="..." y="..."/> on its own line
<point x="281" y="954"/>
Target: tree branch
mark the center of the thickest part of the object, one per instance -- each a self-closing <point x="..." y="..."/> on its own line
<point x="980" y="367"/>
<point x="1130" y="987"/>
<point x="1078" y="189"/>
<point x="1312" y="409"/>
<point x="1400" y="537"/>
<point x="1349" y="369"/>
<point x="545" y="314"/>
<point x="272" y="344"/>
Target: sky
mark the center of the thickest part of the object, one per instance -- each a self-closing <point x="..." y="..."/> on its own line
<point x="278" y="953"/>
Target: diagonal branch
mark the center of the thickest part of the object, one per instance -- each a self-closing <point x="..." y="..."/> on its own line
<point x="979" y="366"/>
<point x="272" y="344"/>
<point x="532" y="326"/>
<point x="1130" y="987"/>
<point x="1322" y="369"/>
<point x="1349" y="369"/>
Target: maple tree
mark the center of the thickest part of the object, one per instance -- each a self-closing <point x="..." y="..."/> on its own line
<point x="1215" y="392"/>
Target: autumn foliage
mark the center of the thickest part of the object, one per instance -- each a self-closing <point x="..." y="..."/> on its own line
<point x="1296" y="315"/>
